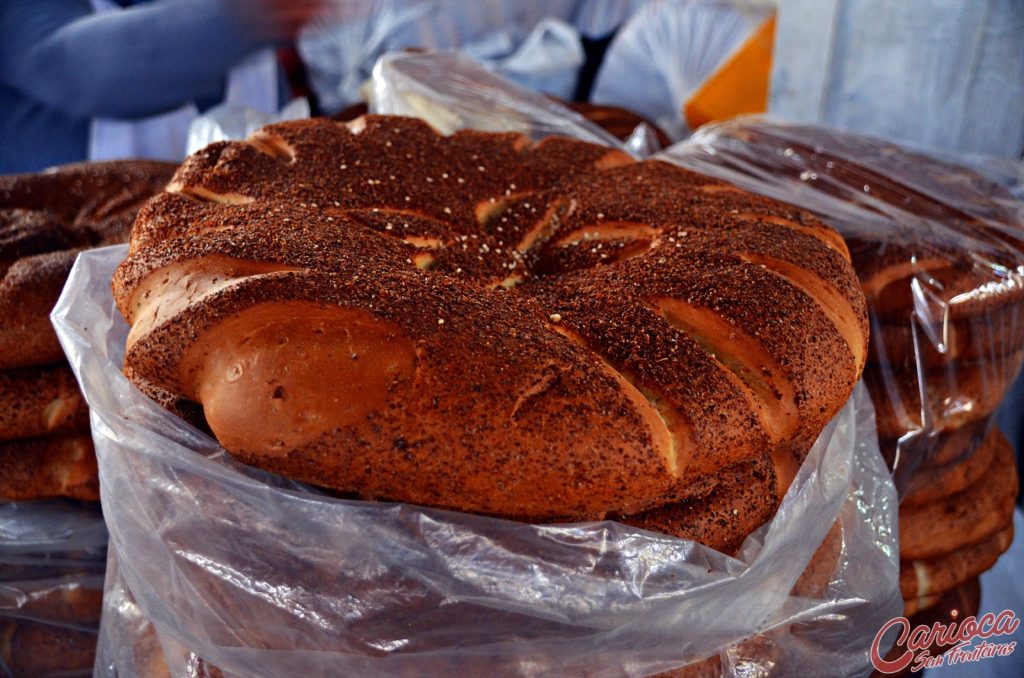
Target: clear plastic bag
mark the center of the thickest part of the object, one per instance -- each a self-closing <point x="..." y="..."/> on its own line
<point x="536" y="45"/>
<point x="259" y="576"/>
<point x="52" y="558"/>
<point x="234" y="121"/>
<point x="940" y="252"/>
<point x="452" y="91"/>
<point x="666" y="51"/>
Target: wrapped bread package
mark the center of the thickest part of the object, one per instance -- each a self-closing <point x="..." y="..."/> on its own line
<point x="52" y="552"/>
<point x="52" y="560"/>
<point x="545" y="442"/>
<point x="939" y="250"/>
<point x="259" y="576"/>
<point x="46" y="218"/>
<point x="452" y="91"/>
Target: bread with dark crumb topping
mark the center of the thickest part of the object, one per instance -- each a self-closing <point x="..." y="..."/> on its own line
<point x="51" y="466"/>
<point x="541" y="331"/>
<point x="46" y="218"/>
<point x="39" y="401"/>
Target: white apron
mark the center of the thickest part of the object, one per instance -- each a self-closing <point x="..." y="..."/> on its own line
<point x="252" y="83"/>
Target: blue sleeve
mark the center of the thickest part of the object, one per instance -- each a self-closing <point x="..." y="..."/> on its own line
<point x="131" y="63"/>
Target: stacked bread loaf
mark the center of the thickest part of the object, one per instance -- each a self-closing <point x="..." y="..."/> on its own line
<point x="52" y="560"/>
<point x="45" y="220"/>
<point x="544" y="332"/>
<point x="939" y="252"/>
<point x="53" y="629"/>
<point x="52" y="555"/>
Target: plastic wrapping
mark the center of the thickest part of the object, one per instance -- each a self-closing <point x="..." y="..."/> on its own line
<point x="671" y="47"/>
<point x="452" y="91"/>
<point x="262" y="577"/>
<point x="233" y="121"/>
<point x="537" y="45"/>
<point x="52" y="557"/>
<point x="940" y="252"/>
<point x="531" y="44"/>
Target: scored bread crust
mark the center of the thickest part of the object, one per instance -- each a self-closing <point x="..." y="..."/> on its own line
<point x="480" y="323"/>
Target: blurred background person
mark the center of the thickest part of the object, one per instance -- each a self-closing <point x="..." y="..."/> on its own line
<point x="102" y="79"/>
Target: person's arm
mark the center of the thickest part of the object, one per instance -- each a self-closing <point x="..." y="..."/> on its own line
<point x="131" y="63"/>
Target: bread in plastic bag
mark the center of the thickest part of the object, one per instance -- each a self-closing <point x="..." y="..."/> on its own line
<point x="452" y="91"/>
<point x="234" y="121"/>
<point x="217" y="564"/>
<point x="662" y="55"/>
<point x="939" y="249"/>
<point x="52" y="558"/>
<point x="533" y="44"/>
<point x="257" y="575"/>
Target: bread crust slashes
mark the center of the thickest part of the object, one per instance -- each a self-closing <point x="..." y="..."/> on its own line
<point x="540" y="331"/>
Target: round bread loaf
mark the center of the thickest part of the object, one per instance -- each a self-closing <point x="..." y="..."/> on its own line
<point x="45" y="219"/>
<point x="967" y="517"/>
<point x="935" y="576"/>
<point x="53" y="466"/>
<point x="52" y="631"/>
<point x="40" y="401"/>
<point x="476" y="322"/>
<point x="933" y="482"/>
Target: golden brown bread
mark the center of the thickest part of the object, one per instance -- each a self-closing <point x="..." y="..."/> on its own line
<point x="934" y="576"/>
<point x="475" y="322"/>
<point x="45" y="218"/>
<point x="932" y="482"/>
<point x="962" y="340"/>
<point x="40" y="401"/>
<point x="28" y="292"/>
<point x="54" y="466"/>
<point x="929" y="450"/>
<point x="955" y="395"/>
<point x="967" y="517"/>
<point x="53" y="631"/>
<point x="741" y="499"/>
